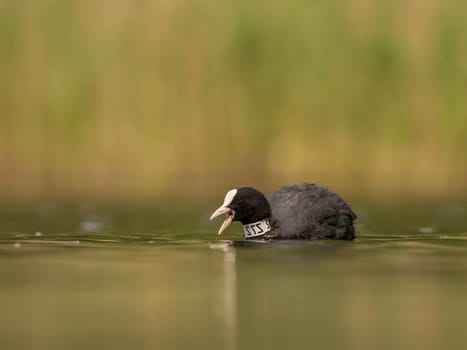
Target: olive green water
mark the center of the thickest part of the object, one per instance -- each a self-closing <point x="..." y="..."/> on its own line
<point x="93" y="278"/>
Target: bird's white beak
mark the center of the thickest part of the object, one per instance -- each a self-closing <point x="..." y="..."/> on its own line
<point x="230" y="214"/>
<point x="224" y="209"/>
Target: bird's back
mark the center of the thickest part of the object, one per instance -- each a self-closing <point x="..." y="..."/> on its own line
<point x="308" y="211"/>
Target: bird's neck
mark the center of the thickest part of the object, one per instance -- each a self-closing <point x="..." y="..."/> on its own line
<point x="256" y="229"/>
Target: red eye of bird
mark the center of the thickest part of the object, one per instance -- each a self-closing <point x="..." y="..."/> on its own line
<point x="239" y="200"/>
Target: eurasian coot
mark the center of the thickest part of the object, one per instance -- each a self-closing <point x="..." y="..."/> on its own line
<point x="305" y="211"/>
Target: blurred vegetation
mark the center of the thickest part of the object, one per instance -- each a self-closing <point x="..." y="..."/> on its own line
<point x="138" y="99"/>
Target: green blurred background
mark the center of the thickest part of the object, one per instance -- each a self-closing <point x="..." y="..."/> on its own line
<point x="188" y="98"/>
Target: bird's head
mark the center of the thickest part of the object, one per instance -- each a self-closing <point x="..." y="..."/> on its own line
<point x="245" y="205"/>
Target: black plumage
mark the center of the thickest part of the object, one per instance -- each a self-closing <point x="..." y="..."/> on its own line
<point x="305" y="211"/>
<point x="309" y="211"/>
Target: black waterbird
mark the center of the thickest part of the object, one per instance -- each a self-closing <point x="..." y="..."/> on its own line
<point x="305" y="211"/>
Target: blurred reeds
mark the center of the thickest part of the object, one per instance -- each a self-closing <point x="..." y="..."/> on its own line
<point x="144" y="99"/>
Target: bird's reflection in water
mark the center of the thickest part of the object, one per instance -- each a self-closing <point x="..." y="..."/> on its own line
<point x="230" y="298"/>
<point x="229" y="292"/>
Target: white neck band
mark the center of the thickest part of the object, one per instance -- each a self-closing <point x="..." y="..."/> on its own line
<point x="256" y="229"/>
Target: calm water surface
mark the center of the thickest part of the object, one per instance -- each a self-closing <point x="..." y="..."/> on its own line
<point x="93" y="278"/>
